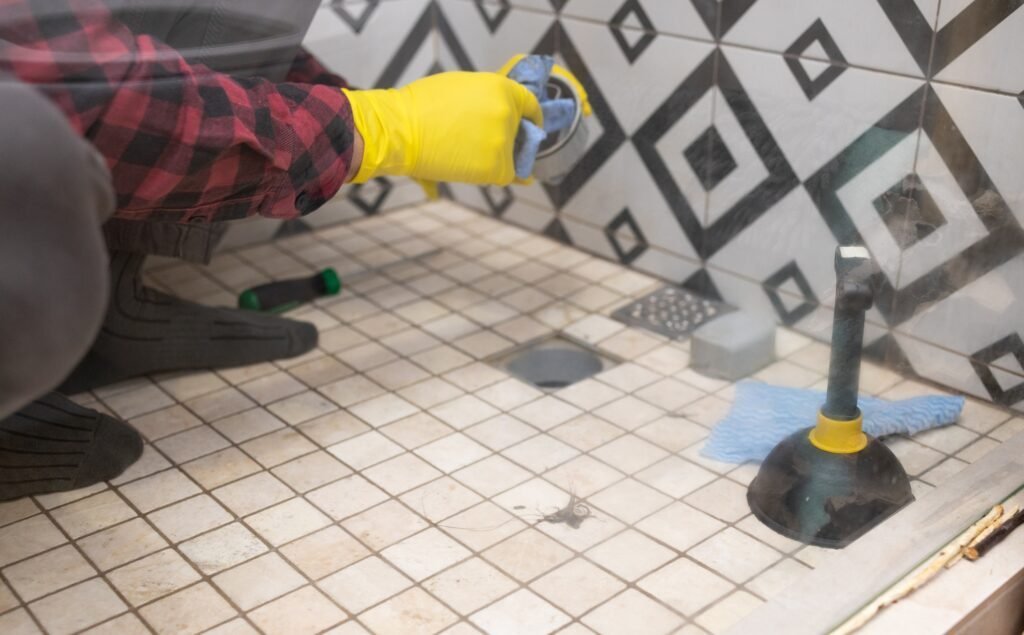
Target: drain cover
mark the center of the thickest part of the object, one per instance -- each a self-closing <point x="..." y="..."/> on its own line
<point x="553" y="364"/>
<point x="671" y="311"/>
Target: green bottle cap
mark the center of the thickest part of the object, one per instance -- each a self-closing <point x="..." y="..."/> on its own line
<point x="332" y="281"/>
<point x="249" y="300"/>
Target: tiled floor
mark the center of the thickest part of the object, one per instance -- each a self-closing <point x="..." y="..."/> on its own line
<point x="393" y="482"/>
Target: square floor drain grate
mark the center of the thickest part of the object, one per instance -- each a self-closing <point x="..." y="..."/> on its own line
<point x="671" y="311"/>
<point x="553" y="363"/>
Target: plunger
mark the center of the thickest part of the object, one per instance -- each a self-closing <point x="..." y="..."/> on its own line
<point x="829" y="484"/>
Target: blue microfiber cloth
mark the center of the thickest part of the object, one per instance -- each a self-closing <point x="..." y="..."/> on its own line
<point x="533" y="72"/>
<point x="763" y="415"/>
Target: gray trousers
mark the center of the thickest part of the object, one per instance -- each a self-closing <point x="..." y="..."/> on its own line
<point x="238" y="37"/>
<point x="56" y="195"/>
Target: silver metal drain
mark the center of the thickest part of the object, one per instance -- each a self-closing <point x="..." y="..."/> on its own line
<point x="553" y="363"/>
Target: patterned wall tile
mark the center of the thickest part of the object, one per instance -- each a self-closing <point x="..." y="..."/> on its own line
<point x="630" y="18"/>
<point x="862" y="31"/>
<point x="966" y="42"/>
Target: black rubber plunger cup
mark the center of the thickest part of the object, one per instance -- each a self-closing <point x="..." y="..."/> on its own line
<point x="828" y="484"/>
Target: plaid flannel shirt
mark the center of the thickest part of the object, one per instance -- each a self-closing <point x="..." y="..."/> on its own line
<point x="183" y="142"/>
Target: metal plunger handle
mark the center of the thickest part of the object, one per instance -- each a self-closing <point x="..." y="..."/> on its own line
<point x="855" y="274"/>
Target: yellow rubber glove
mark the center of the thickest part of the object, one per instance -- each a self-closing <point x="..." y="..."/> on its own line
<point x="447" y="127"/>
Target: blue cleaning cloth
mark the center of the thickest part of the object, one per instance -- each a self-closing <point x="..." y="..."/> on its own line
<point x="763" y="415"/>
<point x="533" y="72"/>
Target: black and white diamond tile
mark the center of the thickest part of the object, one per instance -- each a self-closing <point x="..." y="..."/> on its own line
<point x="720" y="16"/>
<point x="626" y="237"/>
<point x="632" y="29"/>
<point x="377" y="44"/>
<point x="815" y="43"/>
<point x="962" y="42"/>
<point x="493" y="12"/>
<point x="861" y="30"/>
<point x="673" y="18"/>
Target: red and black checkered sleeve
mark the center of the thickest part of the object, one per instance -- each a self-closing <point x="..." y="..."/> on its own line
<point x="183" y="143"/>
<point x="307" y="69"/>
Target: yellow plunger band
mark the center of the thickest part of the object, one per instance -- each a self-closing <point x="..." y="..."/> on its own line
<point x="839" y="437"/>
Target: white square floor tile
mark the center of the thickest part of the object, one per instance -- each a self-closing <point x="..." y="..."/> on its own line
<point x="474" y="376"/>
<point x="735" y="555"/>
<point x="546" y="412"/>
<point x="247" y="425"/>
<point x="777" y="578"/>
<point x="347" y="497"/>
<point x="508" y="394"/>
<point x="492" y="475"/>
<point x="751" y="525"/>
<point x="223" y="548"/>
<point x="675" y="476"/>
<point x="304" y="611"/>
<point x="589" y="394"/>
<point x="521" y="612"/>
<point x="415" y="431"/>
<point x="624" y="611"/>
<point x="413" y="611"/>
<point x="221" y="468"/>
<point x="351" y="390"/>
<point x="628" y="377"/>
<point x="527" y="555"/>
<point x="430" y="392"/>
<point x="577" y="586"/>
<point x="191" y="444"/>
<point x="500" y="432"/>
<point x="722" y="499"/>
<point x="680" y="526"/>
<point x="271" y="388"/>
<point x="452" y="452"/>
<point x="669" y="394"/>
<point x="382" y="526"/>
<point x="365" y="450"/>
<point x="720" y="617"/>
<point x="333" y="428"/>
<point x="629" y="412"/>
<point x="629" y="500"/>
<point x="253" y="493"/>
<point x="470" y="585"/>
<point x="629" y="453"/>
<point x="287" y="521"/>
<point x="191" y="610"/>
<point x="364" y="584"/>
<point x="48" y="572"/>
<point x="122" y="543"/>
<point x="673" y="433"/>
<point x="95" y="600"/>
<point x="324" y="552"/>
<point x="630" y="555"/>
<point x="583" y="476"/>
<point x="540" y="453"/>
<point x="190" y="517"/>
<point x="586" y="432"/>
<point x="401" y="473"/>
<point x="311" y="471"/>
<point x="258" y="581"/>
<point x="481" y="526"/>
<point x="163" y="423"/>
<point x="92" y="514"/>
<point x="159" y="490"/>
<point x="383" y="410"/>
<point x="441" y="359"/>
<point x="153" y="577"/>
<point x="424" y="554"/>
<point x="685" y="586"/>
<point x="464" y="411"/>
<point x="440" y="499"/>
<point x="535" y="496"/>
<point x="278" y="447"/>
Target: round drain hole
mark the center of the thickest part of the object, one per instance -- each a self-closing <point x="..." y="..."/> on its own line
<point x="554" y="367"/>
